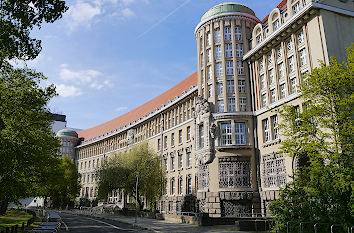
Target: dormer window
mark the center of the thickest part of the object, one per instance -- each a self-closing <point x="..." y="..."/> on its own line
<point x="276" y="25"/>
<point x="296" y="8"/>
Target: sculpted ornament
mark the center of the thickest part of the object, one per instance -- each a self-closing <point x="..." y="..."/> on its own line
<point x="201" y="106"/>
<point x="130" y="136"/>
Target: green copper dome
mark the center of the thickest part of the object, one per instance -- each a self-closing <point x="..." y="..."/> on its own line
<point x="225" y="8"/>
<point x="67" y="132"/>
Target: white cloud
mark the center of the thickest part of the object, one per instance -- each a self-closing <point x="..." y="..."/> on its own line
<point x="119" y="109"/>
<point x="82" y="14"/>
<point x="127" y="13"/>
<point x="68" y="90"/>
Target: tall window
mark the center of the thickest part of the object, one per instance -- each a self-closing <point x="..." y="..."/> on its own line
<point x="165" y="142"/>
<point x="242" y="86"/>
<point x="270" y="59"/>
<point x="240" y="133"/>
<point x="240" y="68"/>
<point x="271" y="76"/>
<point x="189" y="184"/>
<point x="293" y="85"/>
<point x="243" y="104"/>
<point x="172" y="139"/>
<point x="281" y="70"/>
<point x="172" y="163"/>
<point x="188" y="159"/>
<point x="201" y="136"/>
<point x="289" y="45"/>
<point x="220" y="88"/>
<point x="230" y="86"/>
<point x="180" y="185"/>
<point x="282" y="91"/>
<point x="296" y="8"/>
<point x="238" y="33"/>
<point x="180" y="161"/>
<point x="172" y="186"/>
<point x="218" y="69"/>
<point x="217" y="52"/>
<point x="279" y="52"/>
<point x="227" y="33"/>
<point x="263" y="81"/>
<point x="209" y="72"/>
<point x="208" y="38"/>
<point x="239" y="50"/>
<point x="229" y="68"/>
<point x="264" y="99"/>
<point x="165" y="163"/>
<point x="180" y="137"/>
<point x="217" y="36"/>
<point x="261" y="65"/>
<point x="220" y="105"/>
<point x="274" y="120"/>
<point x="266" y="135"/>
<point x="210" y="90"/>
<point x="159" y="144"/>
<point x="188" y="133"/>
<point x="231" y="104"/>
<point x="303" y="57"/>
<point x="226" y="134"/>
<point x="276" y="25"/>
<point x="209" y="55"/>
<point x="272" y="95"/>
<point x="301" y="37"/>
<point x="291" y="64"/>
<point x="228" y="50"/>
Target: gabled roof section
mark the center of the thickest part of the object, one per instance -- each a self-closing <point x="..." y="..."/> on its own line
<point x="140" y="111"/>
<point x="282" y="6"/>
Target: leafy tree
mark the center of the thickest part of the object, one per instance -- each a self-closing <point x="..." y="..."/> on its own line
<point x="119" y="172"/>
<point x="18" y="18"/>
<point x="28" y="148"/>
<point x="320" y="138"/>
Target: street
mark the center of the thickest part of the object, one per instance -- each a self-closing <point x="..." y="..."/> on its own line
<point x="80" y="224"/>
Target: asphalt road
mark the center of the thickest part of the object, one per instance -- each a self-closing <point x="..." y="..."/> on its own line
<point x="80" y="224"/>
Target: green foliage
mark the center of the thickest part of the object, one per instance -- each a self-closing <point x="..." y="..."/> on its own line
<point x="119" y="172"/>
<point x="28" y="148"/>
<point x="320" y="138"/>
<point x="18" y="18"/>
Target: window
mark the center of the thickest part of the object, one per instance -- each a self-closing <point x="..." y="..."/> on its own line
<point x="261" y="65"/>
<point x="282" y="91"/>
<point x="180" y="161"/>
<point x="172" y="162"/>
<point x="231" y="104"/>
<point x="179" y="136"/>
<point x="218" y="52"/>
<point x="239" y="50"/>
<point x="226" y="134"/>
<point x="289" y="45"/>
<point x="220" y="105"/>
<point x="189" y="159"/>
<point x="188" y="133"/>
<point x="264" y="100"/>
<point x="270" y="59"/>
<point x="296" y="7"/>
<point x="291" y="64"/>
<point x="281" y="70"/>
<point x="208" y="55"/>
<point x="228" y="50"/>
<point x="274" y="120"/>
<point x="242" y="86"/>
<point x="172" y="139"/>
<point x="274" y="172"/>
<point x="202" y="60"/>
<point x="279" y="52"/>
<point x="271" y="76"/>
<point x="159" y="144"/>
<point x="81" y="165"/>
<point x="276" y="25"/>
<point x="259" y="39"/>
<point x="218" y="69"/>
<point x="240" y="133"/>
<point x="172" y="185"/>
<point x="263" y="83"/>
<point x="293" y="85"/>
<point x="209" y="72"/>
<point x="208" y="38"/>
<point x="272" y="95"/>
<point x="302" y="55"/>
<point x="234" y="173"/>
<point x="217" y="36"/>
<point x="180" y="185"/>
<point x="243" y="104"/>
<point x="227" y="34"/>
<point x="201" y="136"/>
<point x="238" y="33"/>
<point x="201" y="43"/>
<point x="165" y="163"/>
<point x="230" y="86"/>
<point x="85" y="164"/>
<point x="266" y="136"/>
<point x="89" y="165"/>
<point x="240" y="68"/>
<point x="165" y="142"/>
<point x="210" y="90"/>
<point x="301" y="37"/>
<point x="229" y="68"/>
<point x="189" y="184"/>
<point x="220" y="88"/>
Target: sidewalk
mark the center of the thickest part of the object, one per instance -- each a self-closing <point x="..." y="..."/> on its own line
<point x="161" y="225"/>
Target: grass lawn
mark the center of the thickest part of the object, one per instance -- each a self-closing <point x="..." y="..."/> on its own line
<point x="13" y="217"/>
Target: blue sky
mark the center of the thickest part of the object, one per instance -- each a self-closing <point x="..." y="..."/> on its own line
<point x="107" y="57"/>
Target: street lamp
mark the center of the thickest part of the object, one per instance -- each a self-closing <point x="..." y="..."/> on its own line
<point x="136" y="197"/>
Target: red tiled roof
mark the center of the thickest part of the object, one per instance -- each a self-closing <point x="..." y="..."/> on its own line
<point x="140" y="111"/>
<point x="281" y="6"/>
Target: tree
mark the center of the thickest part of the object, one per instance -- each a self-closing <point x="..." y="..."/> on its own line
<point x="28" y="148"/>
<point x="119" y="173"/>
<point x="320" y="138"/>
<point x="18" y="18"/>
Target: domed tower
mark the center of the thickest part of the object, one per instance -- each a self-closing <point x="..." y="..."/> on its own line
<point x="68" y="140"/>
<point x="227" y="184"/>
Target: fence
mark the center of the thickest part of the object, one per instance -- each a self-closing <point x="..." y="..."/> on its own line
<point x="15" y="228"/>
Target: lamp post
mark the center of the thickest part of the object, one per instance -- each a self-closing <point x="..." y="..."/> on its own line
<point x="136" y="197"/>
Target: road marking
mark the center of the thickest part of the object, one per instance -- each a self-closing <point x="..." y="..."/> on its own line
<point x="66" y="226"/>
<point x="108" y="224"/>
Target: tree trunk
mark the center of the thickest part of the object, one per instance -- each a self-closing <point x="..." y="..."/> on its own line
<point x="3" y="207"/>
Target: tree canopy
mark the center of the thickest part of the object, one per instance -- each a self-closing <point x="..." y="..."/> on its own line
<point x="120" y="170"/>
<point x="320" y="137"/>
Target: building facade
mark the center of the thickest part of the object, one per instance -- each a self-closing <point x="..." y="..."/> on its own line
<point x="216" y="131"/>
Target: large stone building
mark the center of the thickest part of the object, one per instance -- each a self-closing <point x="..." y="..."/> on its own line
<point x="216" y="131"/>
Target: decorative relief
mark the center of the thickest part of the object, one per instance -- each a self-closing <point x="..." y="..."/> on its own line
<point x="236" y="210"/>
<point x="234" y="173"/>
<point x="203" y="177"/>
<point x="274" y="173"/>
<point x="130" y="136"/>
